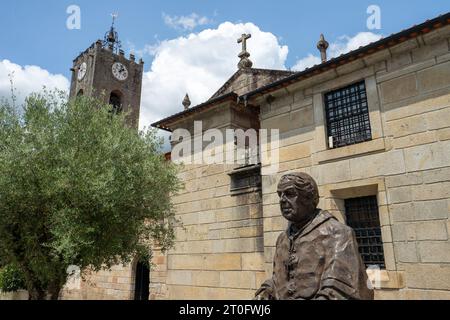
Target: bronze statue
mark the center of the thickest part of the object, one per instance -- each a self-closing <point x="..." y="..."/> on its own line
<point x="317" y="256"/>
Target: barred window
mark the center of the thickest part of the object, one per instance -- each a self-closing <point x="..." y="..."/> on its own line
<point x="347" y="115"/>
<point x="245" y="178"/>
<point x="362" y="216"/>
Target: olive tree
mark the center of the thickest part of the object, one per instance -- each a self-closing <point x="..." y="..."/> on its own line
<point x="78" y="187"/>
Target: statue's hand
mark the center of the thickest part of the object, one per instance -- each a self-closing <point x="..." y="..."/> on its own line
<point x="264" y="295"/>
<point x="266" y="292"/>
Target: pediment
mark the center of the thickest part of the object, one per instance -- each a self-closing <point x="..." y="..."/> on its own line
<point x="246" y="80"/>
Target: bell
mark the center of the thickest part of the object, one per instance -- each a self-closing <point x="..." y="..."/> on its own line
<point x="111" y="36"/>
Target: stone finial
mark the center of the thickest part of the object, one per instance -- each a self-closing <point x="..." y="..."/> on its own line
<point x="245" y="62"/>
<point x="186" y="102"/>
<point x="323" y="45"/>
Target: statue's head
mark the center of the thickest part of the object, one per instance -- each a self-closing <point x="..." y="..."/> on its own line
<point x="299" y="196"/>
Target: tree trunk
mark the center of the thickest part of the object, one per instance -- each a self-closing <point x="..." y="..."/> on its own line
<point x="54" y="295"/>
<point x="36" y="294"/>
<point x="34" y="287"/>
<point x="54" y="291"/>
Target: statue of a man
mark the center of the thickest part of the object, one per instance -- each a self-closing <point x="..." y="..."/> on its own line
<point x="317" y="256"/>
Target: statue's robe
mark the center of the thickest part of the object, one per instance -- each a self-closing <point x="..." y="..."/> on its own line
<point x="320" y="261"/>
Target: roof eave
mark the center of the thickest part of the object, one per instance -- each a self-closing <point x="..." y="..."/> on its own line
<point x="164" y="123"/>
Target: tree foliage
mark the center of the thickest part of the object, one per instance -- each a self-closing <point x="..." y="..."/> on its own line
<point x="11" y="279"/>
<point x="78" y="187"/>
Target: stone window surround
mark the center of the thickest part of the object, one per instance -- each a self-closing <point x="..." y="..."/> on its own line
<point x="335" y="194"/>
<point x="322" y="153"/>
<point x="247" y="172"/>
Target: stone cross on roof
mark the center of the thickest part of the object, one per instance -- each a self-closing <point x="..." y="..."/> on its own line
<point x="244" y="55"/>
<point x="243" y="40"/>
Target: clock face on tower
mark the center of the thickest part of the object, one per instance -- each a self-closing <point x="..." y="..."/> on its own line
<point x="82" y="71"/>
<point x="119" y="71"/>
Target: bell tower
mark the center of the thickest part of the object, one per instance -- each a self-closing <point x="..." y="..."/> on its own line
<point x="104" y="71"/>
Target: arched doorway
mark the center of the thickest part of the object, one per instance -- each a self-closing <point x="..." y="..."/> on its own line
<point x="141" y="281"/>
<point x="115" y="100"/>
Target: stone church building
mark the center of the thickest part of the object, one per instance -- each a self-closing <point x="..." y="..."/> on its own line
<point x="371" y="126"/>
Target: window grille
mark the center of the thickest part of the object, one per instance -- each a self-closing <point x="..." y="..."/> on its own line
<point x="347" y="115"/>
<point x="362" y="216"/>
<point x="245" y="178"/>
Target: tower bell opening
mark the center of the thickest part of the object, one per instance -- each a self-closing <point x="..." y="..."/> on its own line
<point x="115" y="100"/>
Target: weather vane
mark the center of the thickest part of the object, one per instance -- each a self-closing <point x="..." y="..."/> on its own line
<point x="114" y="17"/>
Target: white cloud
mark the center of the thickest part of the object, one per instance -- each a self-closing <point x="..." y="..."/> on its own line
<point x="199" y="64"/>
<point x="27" y="79"/>
<point x="185" y="22"/>
<point x="306" y="62"/>
<point x="346" y="44"/>
<point x="343" y="45"/>
<point x="148" y="49"/>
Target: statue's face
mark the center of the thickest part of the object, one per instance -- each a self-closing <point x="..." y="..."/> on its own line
<point x="294" y="204"/>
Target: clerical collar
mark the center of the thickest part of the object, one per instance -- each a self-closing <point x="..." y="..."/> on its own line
<point x="294" y="230"/>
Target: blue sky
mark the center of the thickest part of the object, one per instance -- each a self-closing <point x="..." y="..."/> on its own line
<point x="34" y="32"/>
<point x="196" y="57"/>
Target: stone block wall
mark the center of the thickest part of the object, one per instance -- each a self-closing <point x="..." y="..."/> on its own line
<point x="218" y="251"/>
<point x="18" y="295"/>
<point x="117" y="284"/>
